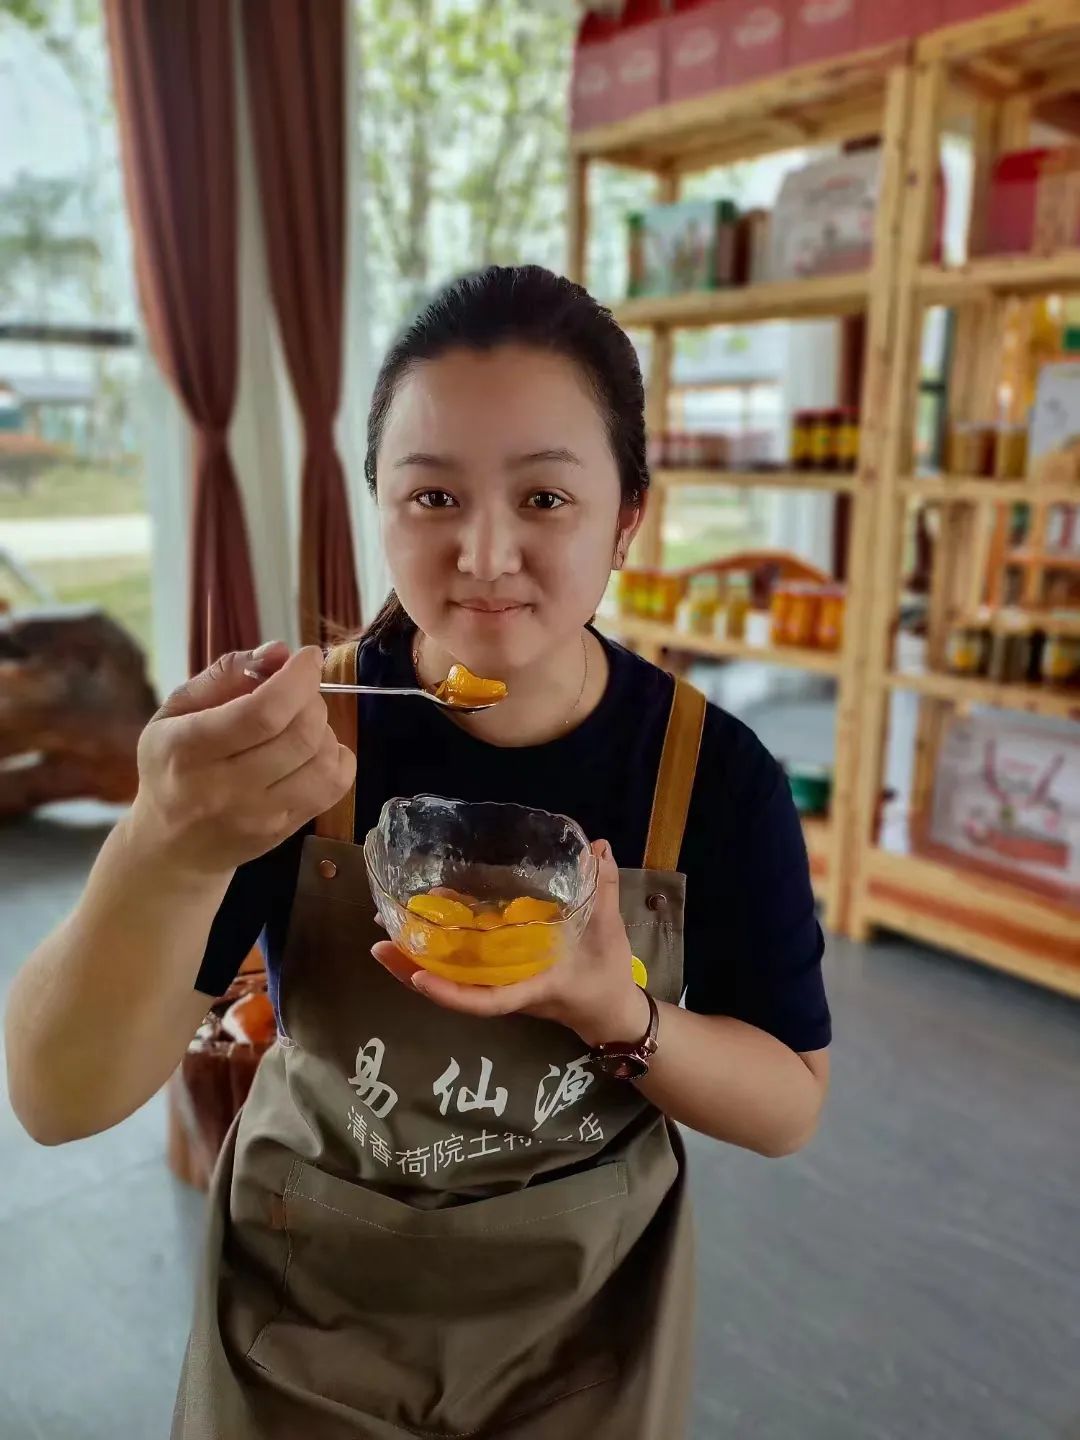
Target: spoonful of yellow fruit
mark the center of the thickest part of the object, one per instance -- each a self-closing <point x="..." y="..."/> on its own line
<point x="461" y="691"/>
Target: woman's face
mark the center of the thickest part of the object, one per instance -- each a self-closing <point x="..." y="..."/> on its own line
<point x="500" y="503"/>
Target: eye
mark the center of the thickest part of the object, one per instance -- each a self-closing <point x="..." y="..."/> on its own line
<point x="435" y="500"/>
<point x="546" y="500"/>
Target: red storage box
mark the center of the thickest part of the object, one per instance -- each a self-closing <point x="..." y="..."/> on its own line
<point x="957" y="10"/>
<point x="883" y="22"/>
<point x="639" y="50"/>
<point x="756" y="39"/>
<point x="694" y="39"/>
<point x="592" y="85"/>
<point x="1033" y="202"/>
<point x="821" y="29"/>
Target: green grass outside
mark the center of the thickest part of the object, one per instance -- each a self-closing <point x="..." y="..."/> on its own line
<point x="74" y="489"/>
<point x="120" y="586"/>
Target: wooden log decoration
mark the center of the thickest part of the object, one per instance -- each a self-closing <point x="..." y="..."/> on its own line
<point x="74" y="698"/>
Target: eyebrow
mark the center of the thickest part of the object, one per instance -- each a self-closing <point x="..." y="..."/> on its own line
<point x="427" y="461"/>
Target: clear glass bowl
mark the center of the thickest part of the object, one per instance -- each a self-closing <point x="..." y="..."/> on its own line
<point x="486" y="855"/>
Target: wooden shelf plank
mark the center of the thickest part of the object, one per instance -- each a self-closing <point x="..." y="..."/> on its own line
<point x="1011" y="33"/>
<point x="986" y="917"/>
<point x="1029" y="699"/>
<point x="813" y="104"/>
<point x="820" y="480"/>
<point x="821" y="295"/>
<point x="999" y="275"/>
<point x="1047" y="559"/>
<point x="648" y="632"/>
<point x="946" y="489"/>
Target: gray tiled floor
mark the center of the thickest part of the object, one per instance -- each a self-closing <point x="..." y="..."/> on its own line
<point x="915" y="1275"/>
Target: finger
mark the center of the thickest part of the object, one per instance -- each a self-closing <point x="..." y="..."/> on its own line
<point x="316" y="786"/>
<point x="261" y="714"/>
<point x="301" y="740"/>
<point x="227" y="678"/>
<point x="486" y="1001"/>
<point x="399" y="965"/>
<point x="606" y="913"/>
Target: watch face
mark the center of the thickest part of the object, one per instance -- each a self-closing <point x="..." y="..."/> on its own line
<point x="623" y="1067"/>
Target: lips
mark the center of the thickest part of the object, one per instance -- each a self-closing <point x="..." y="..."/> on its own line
<point x="490" y="607"/>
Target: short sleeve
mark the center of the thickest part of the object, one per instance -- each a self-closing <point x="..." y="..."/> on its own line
<point x="256" y="893"/>
<point x="753" y="943"/>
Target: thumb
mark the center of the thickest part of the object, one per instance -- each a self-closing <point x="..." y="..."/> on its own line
<point x="606" y="910"/>
<point x="230" y="676"/>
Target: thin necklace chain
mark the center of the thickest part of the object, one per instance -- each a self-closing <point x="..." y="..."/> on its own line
<point x="581" y="692"/>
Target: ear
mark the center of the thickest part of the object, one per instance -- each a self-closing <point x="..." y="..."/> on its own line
<point x="630" y="518"/>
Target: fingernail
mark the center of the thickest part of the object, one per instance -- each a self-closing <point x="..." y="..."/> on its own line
<point x="265" y="649"/>
<point x="419" y="982"/>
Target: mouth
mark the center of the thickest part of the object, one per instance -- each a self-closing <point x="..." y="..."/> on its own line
<point x="491" y="609"/>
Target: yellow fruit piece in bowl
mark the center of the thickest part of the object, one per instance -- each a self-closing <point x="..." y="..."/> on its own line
<point x="532" y="947"/>
<point x="489" y="920"/>
<point x="441" y="910"/>
<point x="528" y="911"/>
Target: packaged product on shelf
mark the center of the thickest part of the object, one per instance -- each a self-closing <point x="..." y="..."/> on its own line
<point x="779" y="606"/>
<point x="756" y="39"/>
<point x="592" y="86"/>
<point x="802" y="439"/>
<point x="825" y="440"/>
<point x="694" y="48"/>
<point x="638" y="58"/>
<point x="1011" y="642"/>
<point x="752" y="247"/>
<point x="830" y="621"/>
<point x="819" y="31"/>
<point x="757" y="629"/>
<point x="1060" y="664"/>
<point x="1007" y="798"/>
<point x="1011" y="452"/>
<point x="696" y="611"/>
<point x="967" y="648"/>
<point x="823" y="222"/>
<point x="1033" y="203"/>
<point x="1054" y="433"/>
<point x="681" y="247"/>
<point x="847" y="441"/>
<point x="729" y="622"/>
<point x="969" y="449"/>
<point x="801" y="618"/>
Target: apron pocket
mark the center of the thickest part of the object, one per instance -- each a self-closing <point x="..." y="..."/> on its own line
<point x="441" y="1320"/>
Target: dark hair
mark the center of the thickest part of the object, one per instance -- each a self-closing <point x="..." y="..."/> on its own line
<point x="522" y="305"/>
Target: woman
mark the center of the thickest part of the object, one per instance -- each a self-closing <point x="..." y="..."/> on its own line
<point x="453" y="1211"/>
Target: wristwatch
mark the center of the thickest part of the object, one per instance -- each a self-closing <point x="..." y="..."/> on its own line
<point x="629" y="1062"/>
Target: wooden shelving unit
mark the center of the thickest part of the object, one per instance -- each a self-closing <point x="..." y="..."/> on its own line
<point x="868" y="95"/>
<point x="1001" y="74"/>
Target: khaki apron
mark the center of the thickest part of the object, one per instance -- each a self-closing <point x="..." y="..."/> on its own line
<point x="428" y="1224"/>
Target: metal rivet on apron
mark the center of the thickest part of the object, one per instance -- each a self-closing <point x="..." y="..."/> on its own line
<point x="327" y="869"/>
<point x="657" y="902"/>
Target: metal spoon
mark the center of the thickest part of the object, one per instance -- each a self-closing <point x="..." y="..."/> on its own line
<point x="461" y="708"/>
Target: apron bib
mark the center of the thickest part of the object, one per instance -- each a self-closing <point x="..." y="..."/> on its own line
<point x="431" y="1225"/>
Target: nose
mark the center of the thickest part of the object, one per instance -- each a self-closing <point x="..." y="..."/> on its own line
<point x="490" y="547"/>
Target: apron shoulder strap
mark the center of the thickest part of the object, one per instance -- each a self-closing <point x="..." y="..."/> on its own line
<point x="340" y="668"/>
<point x="675" y="778"/>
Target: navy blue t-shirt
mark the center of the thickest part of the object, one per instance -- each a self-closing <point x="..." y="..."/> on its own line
<point x="752" y="944"/>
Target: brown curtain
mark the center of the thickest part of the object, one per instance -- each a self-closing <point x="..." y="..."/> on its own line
<point x="296" y="83"/>
<point x="173" y="76"/>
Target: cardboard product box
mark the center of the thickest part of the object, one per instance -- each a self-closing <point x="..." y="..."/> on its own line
<point x="694" y="38"/>
<point x="1007" y="799"/>
<point x="823" y="221"/>
<point x="886" y="22"/>
<point x="822" y="29"/>
<point x="755" y="39"/>
<point x="1054" y="429"/>
<point x="1033" y="201"/>
<point x="639" y="55"/>
<point x="687" y="246"/>
<point x="592" y="82"/>
<point x="958" y="10"/>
